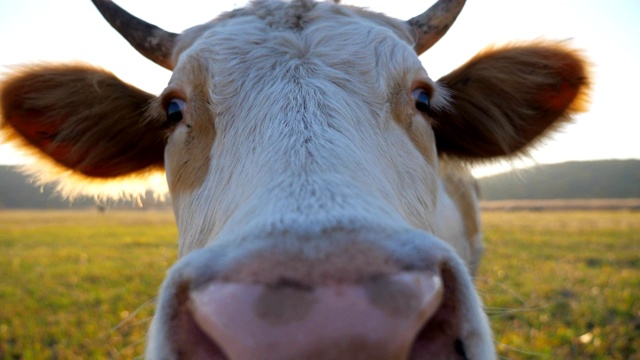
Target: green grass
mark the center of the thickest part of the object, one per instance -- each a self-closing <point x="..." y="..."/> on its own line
<point x="80" y="285"/>
<point x="563" y="285"/>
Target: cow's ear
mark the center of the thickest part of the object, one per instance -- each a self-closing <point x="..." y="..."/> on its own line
<point x="504" y="99"/>
<point x="82" y="118"/>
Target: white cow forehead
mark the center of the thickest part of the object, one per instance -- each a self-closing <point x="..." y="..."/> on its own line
<point x="267" y="29"/>
<point x="361" y="52"/>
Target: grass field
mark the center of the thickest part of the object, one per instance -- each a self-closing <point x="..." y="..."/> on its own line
<point x="80" y="285"/>
<point x="563" y="285"/>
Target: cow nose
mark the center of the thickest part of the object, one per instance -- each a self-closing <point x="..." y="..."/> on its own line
<point x="375" y="319"/>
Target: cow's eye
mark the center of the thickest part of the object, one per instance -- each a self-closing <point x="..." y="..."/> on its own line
<point x="175" y="109"/>
<point x="422" y="99"/>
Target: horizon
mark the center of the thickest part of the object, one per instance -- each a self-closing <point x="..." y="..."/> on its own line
<point x="607" y="131"/>
<point x="515" y="170"/>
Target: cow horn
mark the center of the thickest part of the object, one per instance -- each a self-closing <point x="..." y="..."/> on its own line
<point x="151" y="41"/>
<point x="431" y="25"/>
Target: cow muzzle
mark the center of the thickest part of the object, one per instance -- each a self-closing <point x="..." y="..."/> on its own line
<point x="428" y="312"/>
<point x="377" y="319"/>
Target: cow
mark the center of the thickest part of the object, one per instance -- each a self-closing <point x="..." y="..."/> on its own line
<point x="319" y="177"/>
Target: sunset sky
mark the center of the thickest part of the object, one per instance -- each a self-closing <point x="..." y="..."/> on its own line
<point x="608" y="31"/>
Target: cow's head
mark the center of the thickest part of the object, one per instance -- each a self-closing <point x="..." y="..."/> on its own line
<point x="304" y="145"/>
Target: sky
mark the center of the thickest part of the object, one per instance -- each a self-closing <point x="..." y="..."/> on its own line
<point x="607" y="31"/>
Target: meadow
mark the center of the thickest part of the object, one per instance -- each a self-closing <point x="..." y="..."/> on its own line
<point x="81" y="285"/>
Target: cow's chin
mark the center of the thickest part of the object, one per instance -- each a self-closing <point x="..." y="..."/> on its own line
<point x="224" y="320"/>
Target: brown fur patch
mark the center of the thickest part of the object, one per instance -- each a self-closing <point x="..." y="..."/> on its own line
<point x="404" y="112"/>
<point x="505" y="98"/>
<point x="82" y="118"/>
<point x="189" y="151"/>
<point x="462" y="189"/>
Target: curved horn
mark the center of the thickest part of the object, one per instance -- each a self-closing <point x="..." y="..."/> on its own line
<point x="431" y="25"/>
<point x="151" y="41"/>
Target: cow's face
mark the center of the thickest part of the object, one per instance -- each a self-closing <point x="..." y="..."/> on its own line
<point x="292" y="132"/>
<point x="303" y="145"/>
<point x="308" y="171"/>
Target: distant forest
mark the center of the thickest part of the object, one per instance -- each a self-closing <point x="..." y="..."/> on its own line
<point x="17" y="191"/>
<point x="607" y="179"/>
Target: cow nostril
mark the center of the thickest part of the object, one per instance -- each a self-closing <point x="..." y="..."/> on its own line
<point x="190" y="341"/>
<point x="441" y="334"/>
<point x="459" y="347"/>
<point x="194" y="344"/>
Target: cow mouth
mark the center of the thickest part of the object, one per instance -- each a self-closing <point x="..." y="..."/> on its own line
<point x="439" y="337"/>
